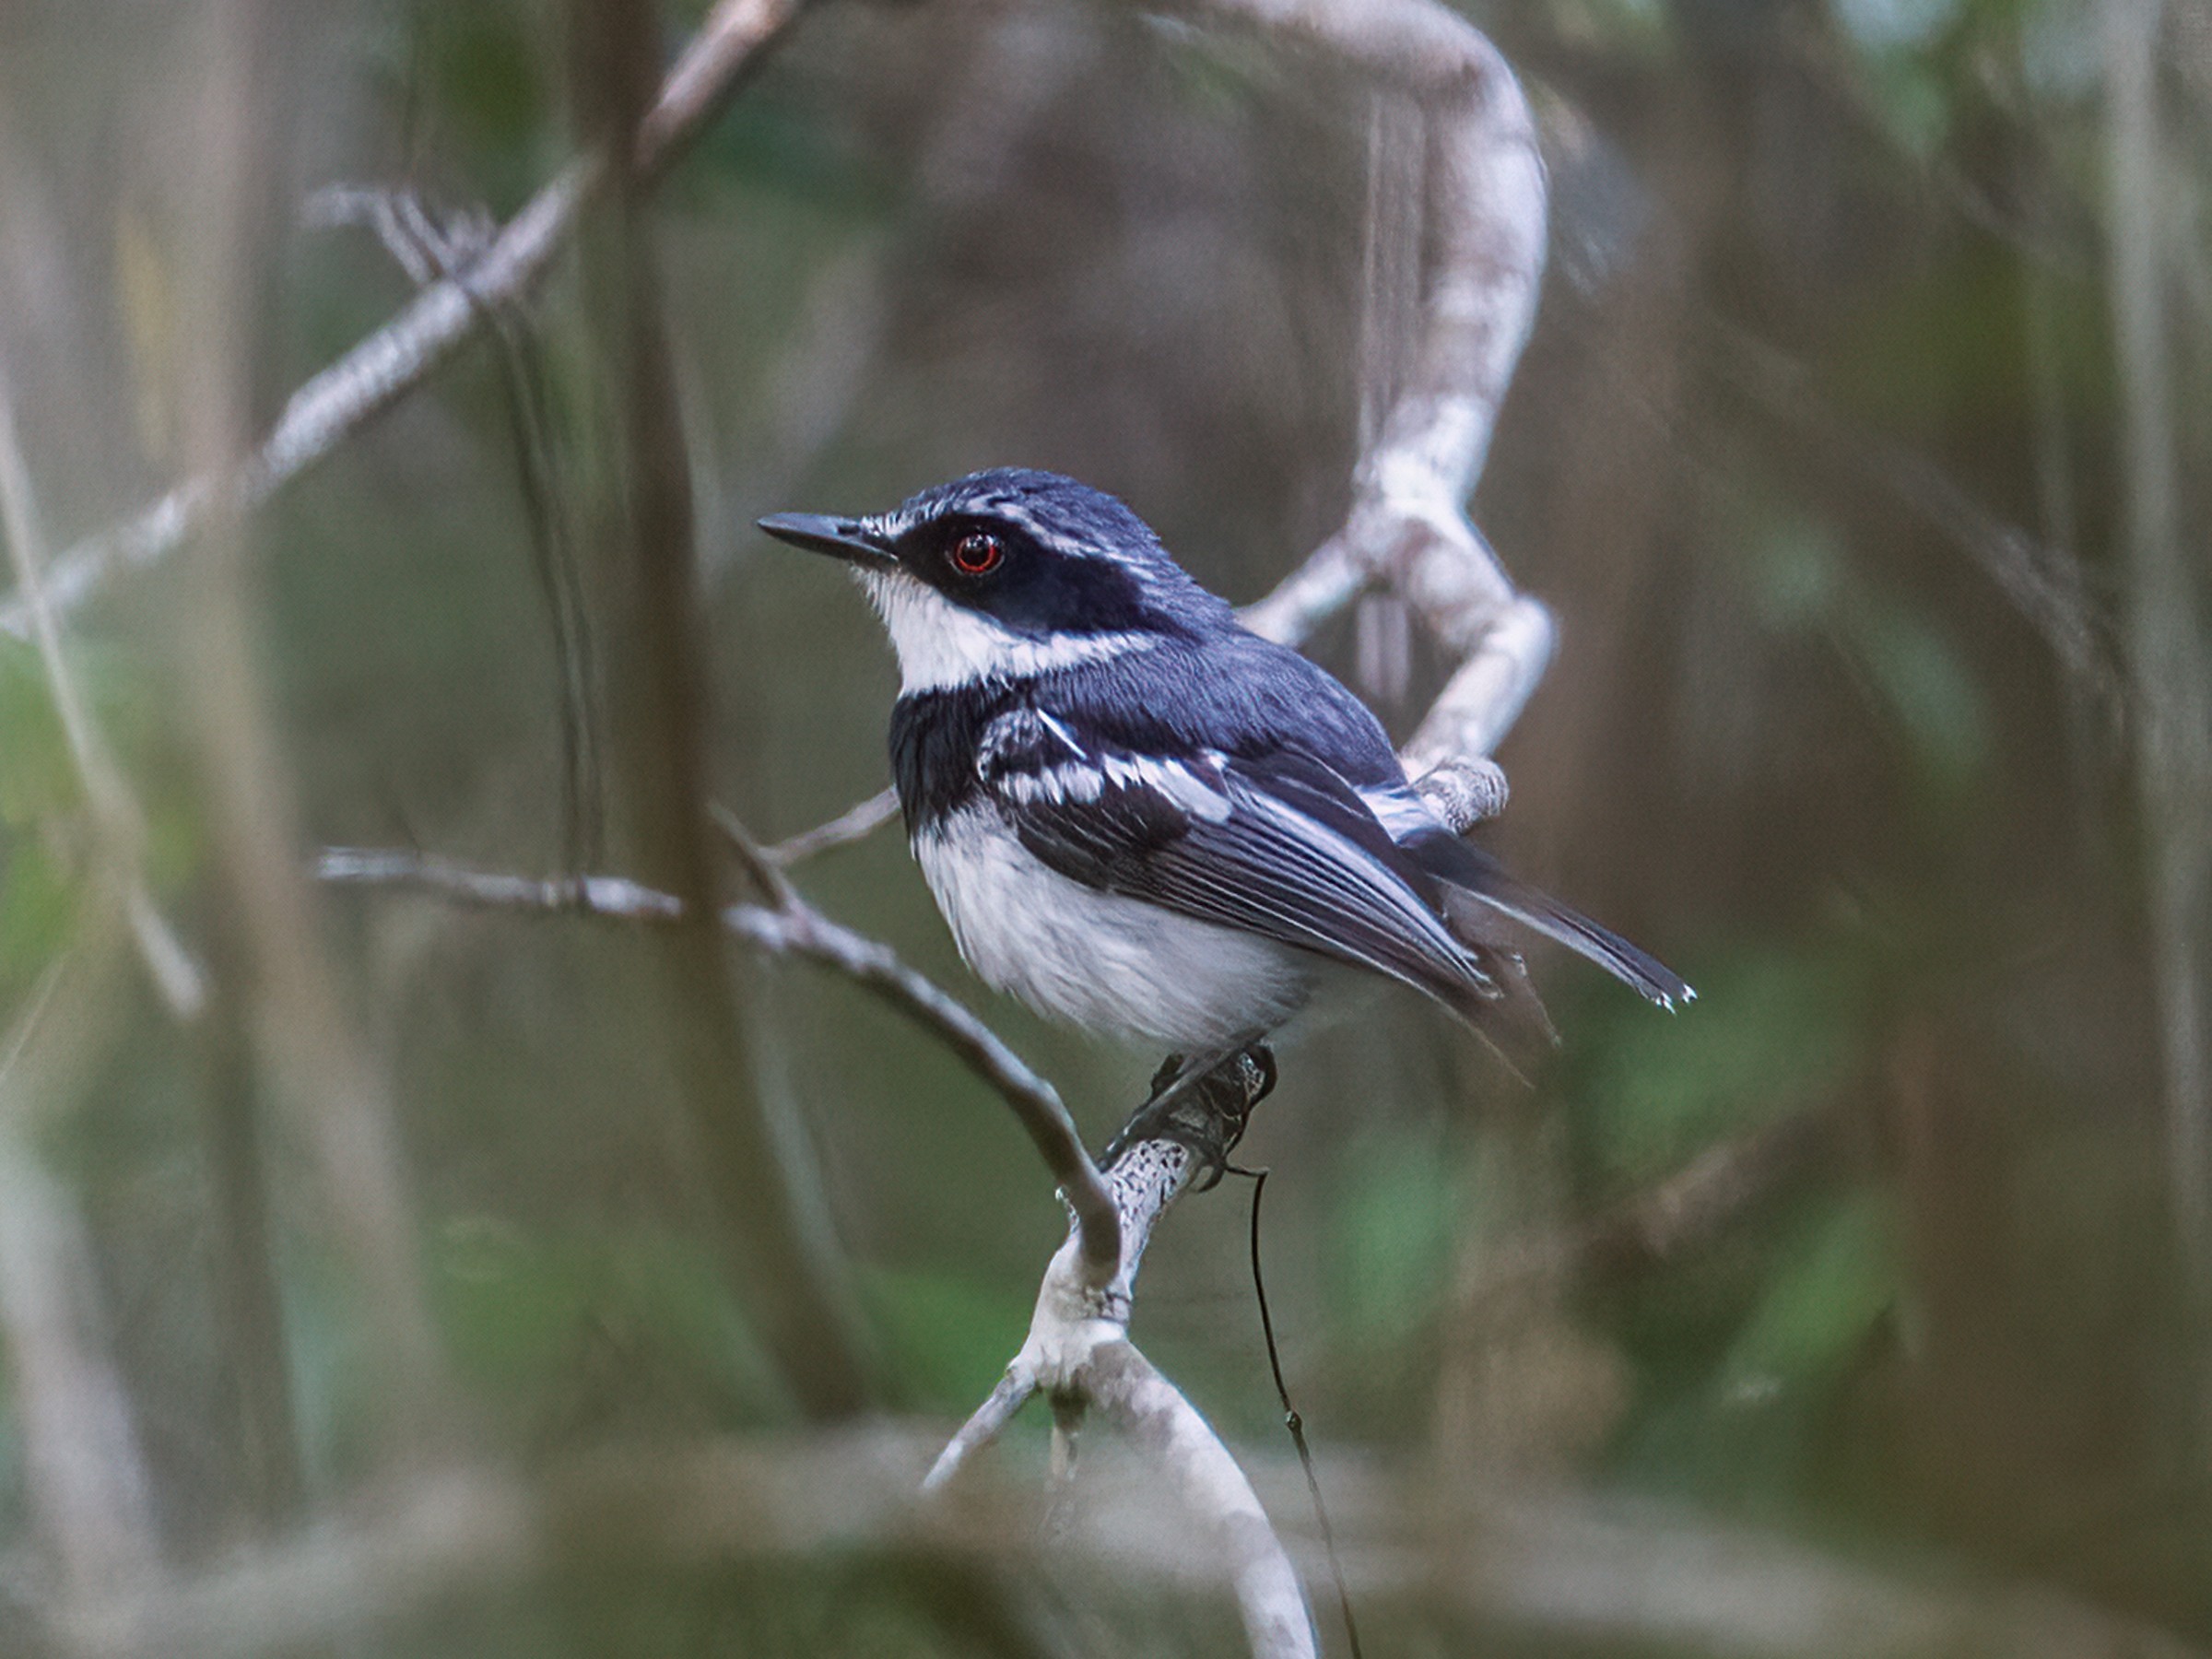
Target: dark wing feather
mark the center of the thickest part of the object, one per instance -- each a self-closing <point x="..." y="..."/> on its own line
<point x="1284" y="853"/>
<point x="1469" y="869"/>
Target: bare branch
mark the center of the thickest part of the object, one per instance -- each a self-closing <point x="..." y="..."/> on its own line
<point x="856" y="823"/>
<point x="337" y="402"/>
<point x="798" y="929"/>
<point x="1152" y="1411"/>
<point x="1485" y="220"/>
<point x="983" y="1424"/>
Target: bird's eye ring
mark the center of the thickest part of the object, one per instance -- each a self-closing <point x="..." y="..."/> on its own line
<point x="976" y="554"/>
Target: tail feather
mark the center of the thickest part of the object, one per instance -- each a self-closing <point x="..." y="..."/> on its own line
<point x="1476" y="872"/>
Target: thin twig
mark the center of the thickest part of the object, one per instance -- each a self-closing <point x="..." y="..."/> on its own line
<point x="856" y="823"/>
<point x="1296" y="1424"/>
<point x="430" y="252"/>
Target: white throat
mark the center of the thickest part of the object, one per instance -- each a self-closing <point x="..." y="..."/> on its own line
<point x="941" y="644"/>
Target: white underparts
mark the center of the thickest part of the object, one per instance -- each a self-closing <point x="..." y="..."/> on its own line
<point x="941" y="644"/>
<point x="1098" y="960"/>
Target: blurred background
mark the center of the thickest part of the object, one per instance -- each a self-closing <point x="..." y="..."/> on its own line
<point x="1860" y="452"/>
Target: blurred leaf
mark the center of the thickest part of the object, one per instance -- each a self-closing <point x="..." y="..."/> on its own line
<point x="1826" y="1293"/>
<point x="1797" y="572"/>
<point x="770" y="144"/>
<point x="1913" y="101"/>
<point x="1744" y="1422"/>
<point x="517" y="1307"/>
<point x="484" y="71"/>
<point x="1912" y="662"/>
<point x="1635" y="28"/>
<point x="146" y="298"/>
<point x="509" y="1304"/>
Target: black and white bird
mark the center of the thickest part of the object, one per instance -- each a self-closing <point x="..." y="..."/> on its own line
<point x="1138" y="817"/>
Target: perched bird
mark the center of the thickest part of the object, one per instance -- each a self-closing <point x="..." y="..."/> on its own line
<point x="1136" y="815"/>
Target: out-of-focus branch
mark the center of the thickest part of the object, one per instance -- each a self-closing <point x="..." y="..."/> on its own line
<point x="337" y="402"/>
<point x="118" y="824"/>
<point x="327" y="1077"/>
<point x="87" y="1485"/>
<point x="1685" y="1211"/>
<point x="2170" y="676"/>
<point x="1556" y="1564"/>
<point x="635" y="495"/>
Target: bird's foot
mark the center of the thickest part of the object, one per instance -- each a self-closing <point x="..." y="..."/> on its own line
<point x="1202" y="1106"/>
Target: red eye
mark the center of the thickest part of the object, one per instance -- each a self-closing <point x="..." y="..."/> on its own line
<point x="976" y="554"/>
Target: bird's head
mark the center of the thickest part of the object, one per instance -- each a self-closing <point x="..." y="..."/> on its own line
<point x="1008" y="573"/>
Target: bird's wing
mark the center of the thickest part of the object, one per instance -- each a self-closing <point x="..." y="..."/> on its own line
<point x="1467" y="868"/>
<point x="1276" y="847"/>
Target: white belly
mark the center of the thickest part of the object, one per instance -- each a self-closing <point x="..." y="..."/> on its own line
<point x="1099" y="961"/>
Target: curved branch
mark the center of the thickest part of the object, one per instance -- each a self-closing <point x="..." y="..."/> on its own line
<point x="1130" y="1390"/>
<point x="1407" y="527"/>
<point x="792" y="927"/>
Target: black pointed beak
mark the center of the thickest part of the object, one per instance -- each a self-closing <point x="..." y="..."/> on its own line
<point x="848" y="540"/>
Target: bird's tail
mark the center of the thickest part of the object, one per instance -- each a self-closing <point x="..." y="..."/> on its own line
<point x="1469" y="870"/>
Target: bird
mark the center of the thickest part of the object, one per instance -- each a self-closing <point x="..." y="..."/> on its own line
<point x="1141" y="818"/>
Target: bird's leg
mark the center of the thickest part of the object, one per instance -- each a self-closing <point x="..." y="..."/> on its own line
<point x="1202" y="1105"/>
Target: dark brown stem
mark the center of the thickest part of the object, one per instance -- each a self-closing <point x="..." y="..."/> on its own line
<point x="658" y="680"/>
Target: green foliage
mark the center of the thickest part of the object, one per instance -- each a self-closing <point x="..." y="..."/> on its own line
<point x="1825" y="1291"/>
<point x="36" y="777"/>
<point x="946" y="1337"/>
<point x="1914" y="666"/>
<point x="1802" y="580"/>
<point x="1772" y="1032"/>
<point x="538" y="1319"/>
<point x="1742" y="1414"/>
<point x="1397" y="1212"/>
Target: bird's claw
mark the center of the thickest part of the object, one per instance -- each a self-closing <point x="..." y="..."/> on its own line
<point x="1205" y="1112"/>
